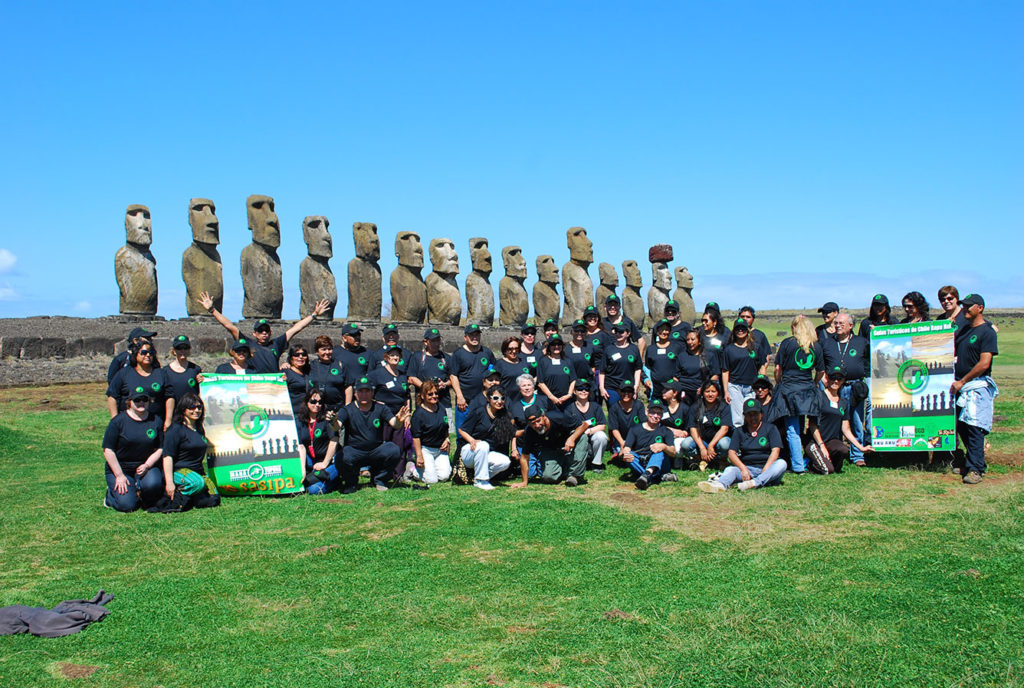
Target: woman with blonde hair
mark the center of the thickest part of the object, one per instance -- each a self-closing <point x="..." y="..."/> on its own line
<point x="799" y="364"/>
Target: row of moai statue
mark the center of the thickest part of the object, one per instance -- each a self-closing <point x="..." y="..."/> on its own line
<point x="435" y="299"/>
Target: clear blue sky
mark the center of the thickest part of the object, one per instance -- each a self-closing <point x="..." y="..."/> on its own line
<point x="792" y="152"/>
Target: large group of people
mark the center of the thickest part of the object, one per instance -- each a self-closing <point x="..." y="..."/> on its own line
<point x="712" y="397"/>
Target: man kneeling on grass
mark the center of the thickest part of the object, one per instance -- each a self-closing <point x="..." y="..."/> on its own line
<point x="645" y="449"/>
<point x="754" y="454"/>
<point x="554" y="446"/>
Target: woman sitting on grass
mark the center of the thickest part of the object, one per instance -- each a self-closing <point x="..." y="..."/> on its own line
<point x="132" y="446"/>
<point x="832" y="424"/>
<point x="430" y="437"/>
<point x="184" y="452"/>
<point x="318" y="444"/>
<point x="645" y="449"/>
<point x="754" y="454"/>
<point x="484" y="439"/>
<point x="710" y="425"/>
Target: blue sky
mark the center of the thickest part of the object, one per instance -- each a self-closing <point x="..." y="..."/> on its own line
<point x="791" y="152"/>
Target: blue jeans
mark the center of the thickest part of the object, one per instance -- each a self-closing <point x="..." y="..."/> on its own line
<point x="144" y="491"/>
<point x="796" y="446"/>
<point x="330" y="484"/>
<point x="460" y="417"/>
<point x="856" y="424"/>
<point x="689" y="447"/>
<point x="761" y="477"/>
<point x="655" y="461"/>
<point x="737" y="395"/>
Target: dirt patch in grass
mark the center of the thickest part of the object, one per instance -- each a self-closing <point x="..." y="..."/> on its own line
<point x="92" y="395"/>
<point x="69" y="670"/>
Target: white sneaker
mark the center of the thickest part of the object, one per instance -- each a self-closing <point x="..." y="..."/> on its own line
<point x="711" y="486"/>
<point x="747" y="485"/>
<point x="483" y="484"/>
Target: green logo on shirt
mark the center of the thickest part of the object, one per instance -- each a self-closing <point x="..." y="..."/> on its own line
<point x="334" y="371"/>
<point x="565" y="369"/>
<point x="973" y="338"/>
<point x="440" y="366"/>
<point x="807" y="362"/>
<point x="716" y="420"/>
<point x="671" y="355"/>
<point x="376" y="422"/>
<point x="678" y="422"/>
<point x="675" y="335"/>
<point x="191" y="382"/>
<point x="140" y="389"/>
<point x="151" y="433"/>
<point x="753" y="354"/>
<point x="763" y="441"/>
<point x="318" y="432"/>
<point x="853" y="352"/>
<point x="597" y="341"/>
<point x="155" y="386"/>
<point x="586" y="356"/>
<point x="630" y="358"/>
<point x="362" y="361"/>
<point x="483" y="361"/>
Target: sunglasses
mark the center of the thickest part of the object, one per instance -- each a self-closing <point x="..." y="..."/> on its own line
<point x="315" y="402"/>
<point x="431" y="394"/>
<point x="146" y="352"/>
<point x="141" y="401"/>
<point x="300" y="354"/>
<point x="949" y="298"/>
<point x="496" y="398"/>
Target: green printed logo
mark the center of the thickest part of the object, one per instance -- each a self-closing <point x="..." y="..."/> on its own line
<point x="318" y="432"/>
<point x="140" y="388"/>
<point x="151" y="433"/>
<point x="636" y="420"/>
<point x="250" y="422"/>
<point x="586" y="356"/>
<point x="565" y="369"/>
<point x="526" y="370"/>
<point x="675" y="335"/>
<point x="973" y="338"/>
<point x="593" y="421"/>
<point x="376" y="422"/>
<point x="191" y="382"/>
<point x="597" y="341"/>
<point x="912" y="376"/>
<point x="483" y="361"/>
<point x="255" y="472"/>
<point x="716" y="420"/>
<point x="630" y="358"/>
<point x="362" y="361"/>
<point x="334" y="371"/>
<point x="805" y="363"/>
<point x="671" y="355"/>
<point x="853" y="353"/>
<point x="763" y="441"/>
<point x="440" y="366"/>
<point x="657" y="438"/>
<point x="678" y="422"/>
<point x="155" y="386"/>
<point x="401" y="361"/>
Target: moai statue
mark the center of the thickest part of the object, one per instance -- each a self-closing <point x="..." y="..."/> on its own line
<point x="134" y="264"/>
<point x="609" y="283"/>
<point x="545" y="291"/>
<point x="632" y="301"/>
<point x="316" y="281"/>
<point x="408" y="291"/>
<point x="364" y="283"/>
<point x="515" y="304"/>
<point x="201" y="269"/>
<point x="657" y="295"/>
<point x="684" y="286"/>
<point x="479" y="293"/>
<point x="261" y="267"/>
<point x="577" y="287"/>
<point x="444" y="304"/>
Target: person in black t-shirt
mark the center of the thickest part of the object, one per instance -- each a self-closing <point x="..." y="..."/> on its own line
<point x="679" y="327"/>
<point x="764" y="349"/>
<point x="135" y="339"/>
<point x="613" y="307"/>
<point x="622" y="361"/>
<point x="851" y="354"/>
<point x="832" y="423"/>
<point x="527" y="397"/>
<point x="553" y="446"/>
<point x="623" y="415"/>
<point x="430" y="438"/>
<point x="391" y="339"/>
<point x="740" y="363"/>
<point x="143" y="373"/>
<point x="352" y="355"/>
<point x="556" y="377"/>
<point x="529" y="352"/>
<point x="662" y="357"/>
<point x="879" y="313"/>
<point x="484" y="440"/>
<point x="296" y="376"/>
<point x="318" y="444"/>
<point x="469" y="366"/>
<point x="132" y="446"/>
<point x="364" y="421"/>
<point x="646" y="447"/>
<point x="268" y="348"/>
<point x="432" y="364"/>
<point x="511" y="366"/>
<point x="973" y="387"/>
<point x="754" y="453"/>
<point x="550" y="328"/>
<point x="829" y="311"/>
<point x="328" y="375"/>
<point x="181" y="375"/>
<point x="184" y="452"/>
<point x="798" y="368"/>
<point x="710" y="427"/>
<point x="584" y="410"/>
<point x="915" y="307"/>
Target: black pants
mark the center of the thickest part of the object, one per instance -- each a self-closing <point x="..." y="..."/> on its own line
<point x="973" y="438"/>
<point x="381" y="460"/>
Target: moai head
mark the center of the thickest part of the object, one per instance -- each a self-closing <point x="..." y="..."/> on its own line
<point x="202" y="216"/>
<point x="480" y="255"/>
<point x="515" y="264"/>
<point x="547" y="271"/>
<point x="662" y="277"/>
<point x="263" y="221"/>
<point x="631" y="273"/>
<point x="443" y="257"/>
<point x="609" y="278"/>
<point x="409" y="249"/>
<point x="367" y="241"/>
<point x="683" y="278"/>
<point x="317" y="237"/>
<point x="138" y="225"/>
<point x="581" y="248"/>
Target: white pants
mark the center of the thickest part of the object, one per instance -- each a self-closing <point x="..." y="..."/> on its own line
<point x="485" y="463"/>
<point x="598" y="443"/>
<point x="437" y="467"/>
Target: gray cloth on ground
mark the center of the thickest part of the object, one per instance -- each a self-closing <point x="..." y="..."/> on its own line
<point x="68" y="617"/>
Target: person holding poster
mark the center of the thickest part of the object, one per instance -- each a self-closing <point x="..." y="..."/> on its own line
<point x="975" y="391"/>
<point x="364" y="420"/>
<point x="878" y="314"/>
<point x="798" y="367"/>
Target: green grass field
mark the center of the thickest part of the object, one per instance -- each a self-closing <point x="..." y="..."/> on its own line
<point x="874" y="577"/>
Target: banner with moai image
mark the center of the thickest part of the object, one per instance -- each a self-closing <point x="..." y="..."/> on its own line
<point x="252" y="436"/>
<point x="911" y="372"/>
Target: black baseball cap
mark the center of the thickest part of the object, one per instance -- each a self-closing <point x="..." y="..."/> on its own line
<point x="351" y="329"/>
<point x="432" y="333"/>
<point x="472" y="328"/>
<point x="140" y="333"/>
<point x="550" y="322"/>
<point x="241" y="344"/>
<point x="535" y="411"/>
<point x="829" y="307"/>
<point x="662" y="323"/>
<point x="752" y="405"/>
<point x="655" y="405"/>
<point x="390" y="327"/>
<point x="392" y="347"/>
<point x="619" y="327"/>
<point x="261" y="324"/>
<point x="363" y="383"/>
<point x="740" y="322"/>
<point x="836" y="371"/>
<point x="583" y="383"/>
<point x="672" y="305"/>
<point x="591" y="310"/>
<point x="612" y="298"/>
<point x="138" y="393"/>
<point x="555" y="339"/>
<point x="627" y="386"/>
<point x="971" y="300"/>
<point x="491" y="372"/>
<point x="579" y="325"/>
<point x="528" y="327"/>
<point x="181" y="342"/>
<point x="880" y="298"/>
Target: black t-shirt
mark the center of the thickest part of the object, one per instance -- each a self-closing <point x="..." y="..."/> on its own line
<point x="390" y="390"/>
<point x="470" y="369"/>
<point x="355" y="363"/>
<point x="755" y="448"/>
<point x="619" y="419"/>
<point x="430" y="427"/>
<point x="426" y="367"/>
<point x="852" y="356"/>
<point x="531" y="359"/>
<point x="331" y="380"/>
<point x="177" y="384"/>
<point x="639" y="439"/>
<point x="600" y="340"/>
<point x="266" y="357"/>
<point x="696" y="369"/>
<point x="480" y="426"/>
<point x="620" y="364"/>
<point x="678" y="419"/>
<point x="562" y="427"/>
<point x="799" y="365"/>
<point x="186" y="447"/>
<point x="679" y="331"/>
<point x="364" y="430"/>
<point x="128" y="380"/>
<point x="708" y="421"/>
<point x="582" y="356"/>
<point x="228" y="369"/>
<point x="297" y="386"/>
<point x="634" y="332"/>
<point x="116" y="363"/>
<point x="715" y="342"/>
<point x="866" y="325"/>
<point x="664" y="364"/>
<point x="556" y="373"/>
<point x="593" y="415"/>
<point x="971" y="343"/>
<point x="823" y="334"/>
<point x="517" y="408"/>
<point x="376" y="360"/>
<point x="764" y="349"/>
<point x="316" y="437"/>
<point x="742" y="364"/>
<point x="509" y="372"/>
<point x="133" y="441"/>
<point x="831" y="417"/>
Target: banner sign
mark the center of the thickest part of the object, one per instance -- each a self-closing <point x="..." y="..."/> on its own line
<point x="911" y="372"/>
<point x="251" y="431"/>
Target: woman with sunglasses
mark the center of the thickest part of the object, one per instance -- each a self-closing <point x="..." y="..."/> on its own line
<point x="240" y="362"/>
<point x="296" y="375"/>
<point x="662" y="358"/>
<point x="430" y="439"/>
<point x="713" y="331"/>
<point x="556" y="378"/>
<point x="142" y="374"/>
<point x="328" y="375"/>
<point x="622" y="362"/>
<point x="511" y="366"/>
<point x="183" y="457"/>
<point x="879" y="313"/>
<point x="132" y="447"/>
<point x="949" y="301"/>
<point x="484" y="439"/>
<point x="318" y="443"/>
<point x="915" y="305"/>
<point x="182" y="375"/>
<point x="832" y="424"/>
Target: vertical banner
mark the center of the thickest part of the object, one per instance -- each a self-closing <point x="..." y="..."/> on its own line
<point x="911" y="372"/>
<point x="251" y="430"/>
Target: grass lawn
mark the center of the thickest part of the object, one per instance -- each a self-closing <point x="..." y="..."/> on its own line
<point x="875" y="577"/>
